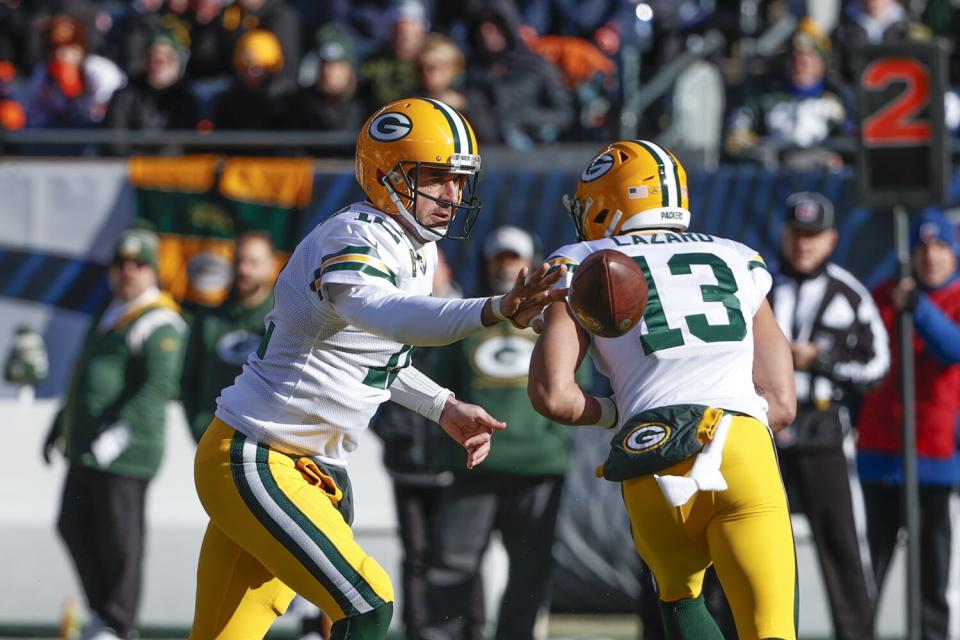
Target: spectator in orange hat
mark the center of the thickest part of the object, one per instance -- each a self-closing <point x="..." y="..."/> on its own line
<point x="275" y="16"/>
<point x="74" y="87"/>
<point x="247" y="103"/>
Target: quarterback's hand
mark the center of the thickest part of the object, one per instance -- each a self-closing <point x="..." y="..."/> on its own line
<point x="471" y="426"/>
<point x="531" y="294"/>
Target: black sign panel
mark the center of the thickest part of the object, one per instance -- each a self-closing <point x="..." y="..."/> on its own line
<point x="903" y="149"/>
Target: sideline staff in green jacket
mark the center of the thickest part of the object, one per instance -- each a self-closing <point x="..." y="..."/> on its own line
<point x="111" y="429"/>
<point x="221" y="338"/>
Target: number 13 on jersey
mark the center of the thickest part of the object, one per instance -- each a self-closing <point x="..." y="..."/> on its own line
<point x="660" y="335"/>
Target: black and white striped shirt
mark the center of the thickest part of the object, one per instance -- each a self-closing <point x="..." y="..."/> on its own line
<point x="831" y="309"/>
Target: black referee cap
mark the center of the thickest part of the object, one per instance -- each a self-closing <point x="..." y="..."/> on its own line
<point x="809" y="211"/>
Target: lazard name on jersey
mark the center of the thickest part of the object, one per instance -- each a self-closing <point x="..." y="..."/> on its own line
<point x="686" y="273"/>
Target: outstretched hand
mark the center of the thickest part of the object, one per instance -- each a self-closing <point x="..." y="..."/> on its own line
<point x="471" y="426"/>
<point x="532" y="294"/>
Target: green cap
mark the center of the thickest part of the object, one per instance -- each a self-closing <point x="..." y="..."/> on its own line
<point x="139" y="245"/>
<point x="335" y="44"/>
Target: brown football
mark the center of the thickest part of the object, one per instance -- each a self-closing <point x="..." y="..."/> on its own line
<point x="608" y="293"/>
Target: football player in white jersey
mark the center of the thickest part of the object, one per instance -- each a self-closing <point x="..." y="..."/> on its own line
<point x="350" y="305"/>
<point x="698" y="384"/>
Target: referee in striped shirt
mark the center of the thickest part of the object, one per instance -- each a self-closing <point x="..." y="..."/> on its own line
<point x="840" y="347"/>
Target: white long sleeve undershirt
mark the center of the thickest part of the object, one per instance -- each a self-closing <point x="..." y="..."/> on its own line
<point x="417" y="392"/>
<point x="422" y="321"/>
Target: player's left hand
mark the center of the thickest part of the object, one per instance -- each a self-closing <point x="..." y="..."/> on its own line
<point x="471" y="426"/>
<point x="531" y="294"/>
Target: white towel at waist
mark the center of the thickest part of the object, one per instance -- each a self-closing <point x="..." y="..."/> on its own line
<point x="705" y="474"/>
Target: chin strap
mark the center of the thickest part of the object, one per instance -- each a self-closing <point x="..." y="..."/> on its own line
<point x="614" y="221"/>
<point x="427" y="234"/>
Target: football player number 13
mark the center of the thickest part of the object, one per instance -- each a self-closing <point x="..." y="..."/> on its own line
<point x="660" y="335"/>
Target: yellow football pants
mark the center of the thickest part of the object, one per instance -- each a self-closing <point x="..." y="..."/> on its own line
<point x="745" y="531"/>
<point x="274" y="531"/>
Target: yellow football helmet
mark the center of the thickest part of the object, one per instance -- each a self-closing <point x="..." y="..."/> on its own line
<point x="630" y="185"/>
<point x="406" y="135"/>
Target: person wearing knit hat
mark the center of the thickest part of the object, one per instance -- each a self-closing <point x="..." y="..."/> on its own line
<point x="258" y="48"/>
<point x="932" y="225"/>
<point x="111" y="430"/>
<point x="157" y="98"/>
<point x="809" y="56"/>
<point x="75" y="86"/>
<point x="810" y="36"/>
<point x="933" y="295"/>
<point x="799" y="107"/>
<point x="178" y="41"/>
<point x="138" y="245"/>
<point x="334" y="44"/>
<point x="934" y="254"/>
<point x="64" y="30"/>
<point x="328" y="100"/>
<point x="281" y="19"/>
<point x="250" y="102"/>
<point x="390" y="73"/>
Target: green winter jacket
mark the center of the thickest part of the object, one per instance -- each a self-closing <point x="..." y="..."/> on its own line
<point x="114" y="415"/>
<point x="220" y="341"/>
<point x="490" y="369"/>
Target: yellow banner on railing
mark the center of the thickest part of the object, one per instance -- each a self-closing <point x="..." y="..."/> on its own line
<point x="200" y="204"/>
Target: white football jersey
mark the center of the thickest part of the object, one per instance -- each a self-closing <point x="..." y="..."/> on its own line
<point x="316" y="381"/>
<point x="695" y="342"/>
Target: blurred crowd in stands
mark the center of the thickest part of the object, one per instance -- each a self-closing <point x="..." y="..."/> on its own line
<point x="738" y="77"/>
